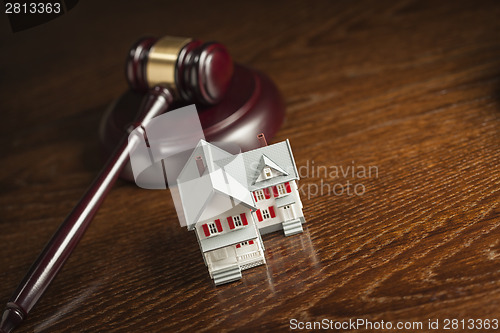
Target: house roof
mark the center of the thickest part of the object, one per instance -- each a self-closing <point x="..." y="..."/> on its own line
<point x="216" y="190"/>
<point x="277" y="156"/>
<point x="228" y="179"/>
<point x="209" y="153"/>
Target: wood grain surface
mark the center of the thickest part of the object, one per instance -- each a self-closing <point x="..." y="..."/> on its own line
<point x="411" y="88"/>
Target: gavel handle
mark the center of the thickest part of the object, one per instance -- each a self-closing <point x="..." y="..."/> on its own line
<point x="69" y="233"/>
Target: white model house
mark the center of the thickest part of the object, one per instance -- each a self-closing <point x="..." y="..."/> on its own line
<point x="229" y="201"/>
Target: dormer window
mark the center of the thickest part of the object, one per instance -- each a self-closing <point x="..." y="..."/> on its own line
<point x="267" y="173"/>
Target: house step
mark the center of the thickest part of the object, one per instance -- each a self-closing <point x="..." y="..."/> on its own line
<point x="292" y="227"/>
<point x="226" y="275"/>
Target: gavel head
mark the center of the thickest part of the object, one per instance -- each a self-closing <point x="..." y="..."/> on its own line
<point x="193" y="70"/>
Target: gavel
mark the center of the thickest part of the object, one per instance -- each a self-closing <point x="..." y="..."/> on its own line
<point x="168" y="68"/>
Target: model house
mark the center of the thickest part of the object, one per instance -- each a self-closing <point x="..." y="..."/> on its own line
<point x="230" y="200"/>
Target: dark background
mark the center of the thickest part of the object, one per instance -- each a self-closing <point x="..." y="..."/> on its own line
<point x="411" y="87"/>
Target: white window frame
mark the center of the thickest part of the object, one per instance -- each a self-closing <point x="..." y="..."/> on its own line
<point x="212" y="228"/>
<point x="267" y="173"/>
<point x="238" y="222"/>
<point x="259" y="194"/>
<point x="265" y="214"/>
<point x="281" y="189"/>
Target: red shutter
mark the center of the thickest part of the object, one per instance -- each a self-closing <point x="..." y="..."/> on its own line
<point x="271" y="211"/>
<point x="244" y="218"/>
<point x="259" y="215"/>
<point x="288" y="188"/>
<point x="266" y="193"/>
<point x="238" y="246"/>
<point x="219" y="226"/>
<point x="255" y="197"/>
<point x="275" y="191"/>
<point x="250" y="242"/>
<point x="230" y="222"/>
<point x="205" y="229"/>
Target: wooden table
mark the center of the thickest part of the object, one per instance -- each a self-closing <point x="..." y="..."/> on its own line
<point x="409" y="88"/>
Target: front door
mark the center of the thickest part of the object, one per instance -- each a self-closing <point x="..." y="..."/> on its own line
<point x="287" y="213"/>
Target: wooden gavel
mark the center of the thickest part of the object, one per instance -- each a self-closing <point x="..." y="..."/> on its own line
<point x="169" y="68"/>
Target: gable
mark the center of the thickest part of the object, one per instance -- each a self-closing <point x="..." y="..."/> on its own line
<point x="277" y="156"/>
<point x="267" y="165"/>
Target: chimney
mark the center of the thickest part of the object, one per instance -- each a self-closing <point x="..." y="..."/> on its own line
<point x="199" y="164"/>
<point x="262" y="139"/>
